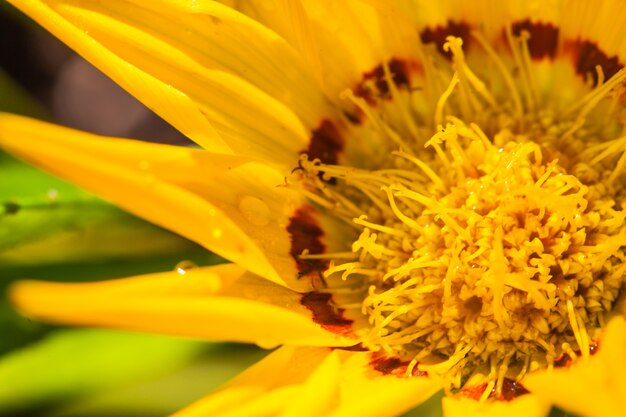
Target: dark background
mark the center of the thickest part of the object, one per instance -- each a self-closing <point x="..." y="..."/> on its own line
<point x="68" y="90"/>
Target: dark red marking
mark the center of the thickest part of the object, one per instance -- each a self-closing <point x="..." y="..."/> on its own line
<point x="544" y="37"/>
<point x="326" y="143"/>
<point x="393" y="366"/>
<point x="473" y="304"/>
<point x="326" y="313"/>
<point x="474" y="392"/>
<point x="562" y="361"/>
<point x="510" y="390"/>
<point x="399" y="70"/>
<point x="565" y="360"/>
<point x="353" y="118"/>
<point x="438" y="35"/>
<point x="306" y="234"/>
<point x="587" y="55"/>
<point x="354" y="348"/>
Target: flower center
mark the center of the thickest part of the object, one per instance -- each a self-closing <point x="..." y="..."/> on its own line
<point x="482" y="253"/>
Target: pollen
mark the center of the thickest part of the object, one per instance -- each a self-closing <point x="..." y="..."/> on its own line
<point x="491" y="244"/>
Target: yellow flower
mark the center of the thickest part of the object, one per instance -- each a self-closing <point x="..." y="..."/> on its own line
<point x="415" y="196"/>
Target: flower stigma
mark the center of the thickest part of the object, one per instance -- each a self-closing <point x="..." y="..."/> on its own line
<point x="492" y="244"/>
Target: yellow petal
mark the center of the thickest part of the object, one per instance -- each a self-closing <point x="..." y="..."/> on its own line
<point x="253" y="393"/>
<point x="586" y="21"/>
<point x="171" y="104"/>
<point x="133" y="43"/>
<point x="339" y="40"/>
<point x="490" y="17"/>
<point x="328" y="383"/>
<point x="592" y="388"/>
<point x="228" y="204"/>
<point x="319" y="393"/>
<point x="367" y="393"/>
<point x="267" y="61"/>
<point x="527" y="405"/>
<point x="214" y="303"/>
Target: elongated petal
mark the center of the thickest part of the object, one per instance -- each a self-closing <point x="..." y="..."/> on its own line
<point x="320" y="393"/>
<point x="321" y="382"/>
<point x="214" y="303"/>
<point x="527" y="405"/>
<point x="230" y="205"/>
<point x="367" y="393"/>
<point x="172" y="104"/>
<point x="242" y="46"/>
<point x="259" y="391"/>
<point x="592" y="388"/>
<point x="213" y="66"/>
<point x="338" y="40"/>
<point x="44" y="220"/>
<point x="566" y="41"/>
<point x="585" y="21"/>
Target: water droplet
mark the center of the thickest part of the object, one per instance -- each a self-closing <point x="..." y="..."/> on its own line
<point x="255" y="211"/>
<point x="52" y="194"/>
<point x="183" y="266"/>
<point x="217" y="233"/>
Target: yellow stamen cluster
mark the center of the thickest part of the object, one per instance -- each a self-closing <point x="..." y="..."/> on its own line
<point x="484" y="254"/>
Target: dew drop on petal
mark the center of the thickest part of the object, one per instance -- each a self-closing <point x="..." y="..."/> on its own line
<point x="217" y="233"/>
<point x="255" y="210"/>
<point x="184" y="266"/>
<point x="52" y="194"/>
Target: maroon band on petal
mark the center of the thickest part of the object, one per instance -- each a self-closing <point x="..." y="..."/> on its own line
<point x="544" y="38"/>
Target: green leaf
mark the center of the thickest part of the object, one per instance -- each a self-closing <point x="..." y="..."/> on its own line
<point x="163" y="396"/>
<point x="429" y="408"/>
<point x="45" y="220"/>
<point x="71" y="364"/>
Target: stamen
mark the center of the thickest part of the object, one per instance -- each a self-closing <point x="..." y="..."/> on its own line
<point x="362" y="220"/>
<point x="453" y="44"/>
<point x="392" y="202"/>
<point x="592" y="100"/>
<point x="518" y="56"/>
<point x="395" y="94"/>
<point x="600" y="90"/>
<point x="435" y="142"/>
<point x="444" y="98"/>
<point x="498" y="242"/>
<point x="581" y="339"/>
<point x="506" y="75"/>
<point x="431" y="204"/>
<point x="526" y="60"/>
<point x="378" y="123"/>
<point x="422" y="166"/>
